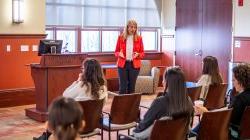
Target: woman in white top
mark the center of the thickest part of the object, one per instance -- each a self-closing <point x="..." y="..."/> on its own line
<point x="90" y="84"/>
<point x="210" y="75"/>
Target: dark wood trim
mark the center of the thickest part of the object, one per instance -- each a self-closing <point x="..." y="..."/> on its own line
<point x="16" y="97"/>
<point x="14" y="36"/>
<point x="109" y="57"/>
<point x="34" y="114"/>
<point x="241" y="38"/>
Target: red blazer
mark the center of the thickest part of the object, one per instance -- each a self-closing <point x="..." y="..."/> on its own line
<point x="138" y="47"/>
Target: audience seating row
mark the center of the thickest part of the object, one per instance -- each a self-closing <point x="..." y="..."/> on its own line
<point x="125" y="113"/>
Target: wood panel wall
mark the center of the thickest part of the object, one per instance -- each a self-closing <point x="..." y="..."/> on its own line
<point x="241" y="54"/>
<point x="14" y="73"/>
<point x="16" y="84"/>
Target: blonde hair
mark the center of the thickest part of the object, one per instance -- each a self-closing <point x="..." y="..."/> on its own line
<point x="125" y="31"/>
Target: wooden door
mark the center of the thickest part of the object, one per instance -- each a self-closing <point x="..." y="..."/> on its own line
<point x="217" y="32"/>
<point x="188" y="37"/>
<point x="203" y="28"/>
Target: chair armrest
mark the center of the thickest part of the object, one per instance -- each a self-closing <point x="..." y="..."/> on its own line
<point x="142" y="106"/>
<point x="122" y="136"/>
<point x="112" y="93"/>
<point x="155" y="72"/>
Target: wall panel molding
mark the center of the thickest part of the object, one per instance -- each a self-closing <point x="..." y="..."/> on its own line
<point x="13" y="36"/>
<point x="241" y="54"/>
<point x="17" y="97"/>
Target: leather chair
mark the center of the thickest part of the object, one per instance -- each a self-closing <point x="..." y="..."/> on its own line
<point x="93" y="117"/>
<point x="167" y="129"/>
<point x="245" y="124"/>
<point x="124" y="113"/>
<point x="176" y="129"/>
<point x="216" y="96"/>
<point x="194" y="92"/>
<point x="148" y="79"/>
<point x="214" y="125"/>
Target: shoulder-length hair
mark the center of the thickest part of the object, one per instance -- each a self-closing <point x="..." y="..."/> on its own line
<point x="125" y="31"/>
<point x="211" y="67"/>
<point x="93" y="75"/>
<point x="242" y="75"/>
<point x="175" y="89"/>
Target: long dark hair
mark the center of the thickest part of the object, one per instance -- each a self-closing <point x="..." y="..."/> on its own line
<point x="65" y="118"/>
<point x="178" y="101"/>
<point x="93" y="74"/>
<point x="211" y="67"/>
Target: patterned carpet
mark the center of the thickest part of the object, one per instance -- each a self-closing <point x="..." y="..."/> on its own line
<point x="16" y="126"/>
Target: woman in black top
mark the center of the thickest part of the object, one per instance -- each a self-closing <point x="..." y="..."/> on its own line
<point x="174" y="103"/>
<point x="241" y="83"/>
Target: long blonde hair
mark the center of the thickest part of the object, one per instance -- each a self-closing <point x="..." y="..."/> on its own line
<point x="125" y="31"/>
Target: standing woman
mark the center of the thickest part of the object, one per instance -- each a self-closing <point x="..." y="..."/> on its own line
<point x="210" y="75"/>
<point x="129" y="52"/>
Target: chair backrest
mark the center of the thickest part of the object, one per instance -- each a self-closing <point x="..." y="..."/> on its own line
<point x="194" y="92"/>
<point x="125" y="108"/>
<point x="215" y="125"/>
<point x="92" y="114"/>
<point x="216" y="96"/>
<point x="145" y="69"/>
<point x="175" y="129"/>
<point x="245" y="124"/>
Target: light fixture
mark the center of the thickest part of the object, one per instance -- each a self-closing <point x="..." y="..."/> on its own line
<point x="17" y="11"/>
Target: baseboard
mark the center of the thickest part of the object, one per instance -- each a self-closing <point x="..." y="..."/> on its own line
<point x="17" y="97"/>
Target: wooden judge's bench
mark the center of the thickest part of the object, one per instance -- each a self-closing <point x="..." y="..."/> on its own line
<point x="54" y="73"/>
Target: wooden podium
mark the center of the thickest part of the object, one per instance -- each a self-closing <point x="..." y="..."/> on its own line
<point x="51" y="77"/>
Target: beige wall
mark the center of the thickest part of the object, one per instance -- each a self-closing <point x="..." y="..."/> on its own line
<point x="34" y="18"/>
<point x="168" y="14"/>
<point x="242" y="19"/>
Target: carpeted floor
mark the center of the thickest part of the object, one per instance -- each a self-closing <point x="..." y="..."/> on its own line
<point x="16" y="126"/>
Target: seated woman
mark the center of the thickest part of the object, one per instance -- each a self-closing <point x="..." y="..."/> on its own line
<point x="173" y="103"/>
<point x="210" y="75"/>
<point x="241" y="82"/>
<point x="90" y="84"/>
<point x="65" y="119"/>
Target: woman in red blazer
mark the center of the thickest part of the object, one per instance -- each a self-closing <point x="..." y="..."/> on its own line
<point x="129" y="52"/>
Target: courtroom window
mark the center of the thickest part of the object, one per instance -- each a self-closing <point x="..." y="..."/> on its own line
<point x="69" y="40"/>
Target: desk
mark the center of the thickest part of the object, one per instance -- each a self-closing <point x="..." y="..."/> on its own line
<point x="112" y="83"/>
<point x="108" y="66"/>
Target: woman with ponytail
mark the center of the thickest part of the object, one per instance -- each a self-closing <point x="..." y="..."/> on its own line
<point x="65" y="119"/>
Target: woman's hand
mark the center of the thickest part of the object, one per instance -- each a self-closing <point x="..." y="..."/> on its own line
<point x="80" y="77"/>
<point x="121" y="54"/>
<point x="200" y="110"/>
<point x="136" y="54"/>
